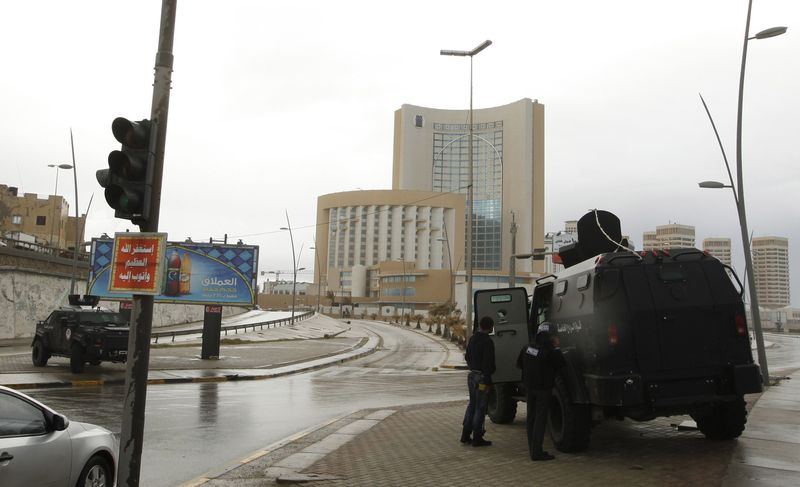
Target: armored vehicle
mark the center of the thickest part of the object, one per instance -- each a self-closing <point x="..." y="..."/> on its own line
<point x="82" y="331"/>
<point x="644" y="334"/>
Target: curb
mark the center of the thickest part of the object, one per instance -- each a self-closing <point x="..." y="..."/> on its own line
<point x="334" y="359"/>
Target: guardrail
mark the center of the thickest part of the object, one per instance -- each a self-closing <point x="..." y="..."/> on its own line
<point x="235" y="328"/>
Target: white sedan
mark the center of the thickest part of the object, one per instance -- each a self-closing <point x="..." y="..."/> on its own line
<point x="40" y="447"/>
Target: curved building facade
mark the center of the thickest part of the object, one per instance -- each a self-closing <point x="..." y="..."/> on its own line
<point x="395" y="247"/>
<point x="431" y="153"/>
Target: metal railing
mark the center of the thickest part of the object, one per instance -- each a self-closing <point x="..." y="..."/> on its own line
<point x="235" y="328"/>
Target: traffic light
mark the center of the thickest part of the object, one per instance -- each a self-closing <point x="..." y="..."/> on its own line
<point x="128" y="179"/>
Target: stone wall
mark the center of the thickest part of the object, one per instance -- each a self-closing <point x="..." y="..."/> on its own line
<point x="32" y="284"/>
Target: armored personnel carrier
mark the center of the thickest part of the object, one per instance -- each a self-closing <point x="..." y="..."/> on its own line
<point x="644" y="334"/>
<point x="83" y="332"/>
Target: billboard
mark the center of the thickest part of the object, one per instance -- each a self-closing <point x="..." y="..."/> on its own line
<point x="195" y="273"/>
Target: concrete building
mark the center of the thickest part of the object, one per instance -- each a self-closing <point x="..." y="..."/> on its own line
<point x="718" y="247"/>
<point x="669" y="236"/>
<point x="649" y="240"/>
<point x="771" y="271"/>
<point x="431" y="153"/>
<point x="389" y="248"/>
<point x="46" y="219"/>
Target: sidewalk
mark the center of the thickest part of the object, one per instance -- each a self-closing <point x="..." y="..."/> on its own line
<point x="418" y="445"/>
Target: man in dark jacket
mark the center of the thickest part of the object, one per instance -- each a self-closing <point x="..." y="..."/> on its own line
<point x="540" y="362"/>
<point x="480" y="360"/>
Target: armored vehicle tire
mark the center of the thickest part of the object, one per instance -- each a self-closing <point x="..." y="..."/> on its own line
<point x="570" y="424"/>
<point x="502" y="406"/>
<point x="725" y="420"/>
<point x="76" y="360"/>
<point x="39" y="354"/>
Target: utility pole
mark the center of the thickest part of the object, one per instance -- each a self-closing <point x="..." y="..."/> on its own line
<point x="132" y="433"/>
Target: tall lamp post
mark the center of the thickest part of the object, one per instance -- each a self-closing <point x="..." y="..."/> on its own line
<point x="55" y="193"/>
<point x="319" y="275"/>
<point x="77" y="218"/>
<point x="470" y="54"/>
<point x="294" y="264"/>
<point x="446" y="241"/>
<point x="738" y="195"/>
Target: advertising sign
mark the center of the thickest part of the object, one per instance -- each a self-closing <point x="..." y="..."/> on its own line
<point x="195" y="273"/>
<point x="137" y="263"/>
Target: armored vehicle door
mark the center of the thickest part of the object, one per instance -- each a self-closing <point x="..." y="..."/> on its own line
<point x="509" y="310"/>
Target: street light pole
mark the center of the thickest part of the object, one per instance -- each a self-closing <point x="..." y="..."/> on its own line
<point x="755" y="312"/>
<point x="738" y="194"/>
<point x="77" y="218"/>
<point x="55" y="193"/>
<point x="294" y="264"/>
<point x="470" y="192"/>
<point x="319" y="275"/>
<point x="403" y="291"/>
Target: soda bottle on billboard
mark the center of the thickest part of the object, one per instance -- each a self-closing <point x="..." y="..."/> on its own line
<point x="186" y="274"/>
<point x="173" y="286"/>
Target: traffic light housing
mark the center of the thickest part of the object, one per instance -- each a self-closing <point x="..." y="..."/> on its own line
<point x="129" y="177"/>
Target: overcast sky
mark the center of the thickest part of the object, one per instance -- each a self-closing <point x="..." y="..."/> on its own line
<point x="276" y="103"/>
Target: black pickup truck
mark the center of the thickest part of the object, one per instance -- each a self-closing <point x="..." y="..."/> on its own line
<point x="645" y="334"/>
<point x="83" y="332"/>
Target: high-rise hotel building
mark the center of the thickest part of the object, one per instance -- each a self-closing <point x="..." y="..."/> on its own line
<point x="431" y="153"/>
<point x="771" y="271"/>
<point x="406" y="247"/>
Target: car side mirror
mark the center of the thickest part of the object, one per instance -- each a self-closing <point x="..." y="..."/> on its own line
<point x="60" y="422"/>
<point x="55" y="421"/>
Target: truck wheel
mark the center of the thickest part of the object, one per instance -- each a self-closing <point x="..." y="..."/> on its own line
<point x="502" y="406"/>
<point x="725" y="421"/>
<point x="76" y="361"/>
<point x="39" y="354"/>
<point x="570" y="424"/>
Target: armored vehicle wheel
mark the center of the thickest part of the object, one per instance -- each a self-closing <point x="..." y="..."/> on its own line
<point x="39" y="354"/>
<point x="502" y="406"/>
<point x="569" y="424"/>
<point x="76" y="360"/>
<point x="725" y="420"/>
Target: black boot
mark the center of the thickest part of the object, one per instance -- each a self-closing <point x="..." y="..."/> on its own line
<point x="479" y="441"/>
<point x="465" y="436"/>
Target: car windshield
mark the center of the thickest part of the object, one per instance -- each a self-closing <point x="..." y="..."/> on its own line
<point x="103" y="318"/>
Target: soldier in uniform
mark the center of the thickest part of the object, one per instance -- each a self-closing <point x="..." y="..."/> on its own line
<point x="540" y="362"/>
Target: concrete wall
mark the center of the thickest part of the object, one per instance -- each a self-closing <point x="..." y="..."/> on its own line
<point x="31" y="285"/>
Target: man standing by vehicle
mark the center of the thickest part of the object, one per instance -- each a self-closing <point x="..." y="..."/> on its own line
<point x="540" y="362"/>
<point x="480" y="360"/>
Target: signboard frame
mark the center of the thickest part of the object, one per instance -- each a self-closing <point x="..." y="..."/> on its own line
<point x="138" y="275"/>
<point x="221" y="274"/>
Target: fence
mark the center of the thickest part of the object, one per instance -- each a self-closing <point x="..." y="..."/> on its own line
<point x="235" y="328"/>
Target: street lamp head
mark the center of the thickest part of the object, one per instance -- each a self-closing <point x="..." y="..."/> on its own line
<point x="301" y="269"/>
<point x="713" y="185"/>
<point x="284" y="228"/>
<point x="481" y="47"/>
<point x="771" y="32"/>
<point x="61" y="166"/>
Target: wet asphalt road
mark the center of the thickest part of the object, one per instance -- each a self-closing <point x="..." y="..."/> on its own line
<point x="194" y="428"/>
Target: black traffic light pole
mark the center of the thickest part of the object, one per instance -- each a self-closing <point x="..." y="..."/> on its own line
<point x="132" y="434"/>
